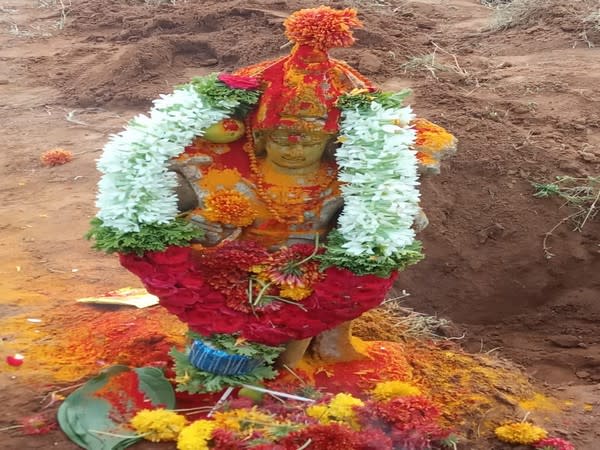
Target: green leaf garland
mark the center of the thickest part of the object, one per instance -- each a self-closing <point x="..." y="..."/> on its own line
<point x="150" y="237"/>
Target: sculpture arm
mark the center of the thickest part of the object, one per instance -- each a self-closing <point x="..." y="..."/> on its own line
<point x="188" y="202"/>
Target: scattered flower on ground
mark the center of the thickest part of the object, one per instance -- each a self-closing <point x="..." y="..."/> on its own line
<point x="56" y="157"/>
<point x="158" y="425"/>
<point x="196" y="436"/>
<point x="387" y="390"/>
<point x="554" y="443"/>
<point x="520" y="433"/>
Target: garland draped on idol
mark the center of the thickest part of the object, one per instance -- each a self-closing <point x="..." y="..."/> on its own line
<point x="137" y="206"/>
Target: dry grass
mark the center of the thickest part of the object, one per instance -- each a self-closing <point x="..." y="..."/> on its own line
<point x="394" y="322"/>
<point x="593" y="20"/>
<point x="63" y="7"/>
<point x="361" y="4"/>
<point x="591" y="28"/>
<point x="581" y="195"/>
<point x="162" y="2"/>
<point x="518" y="12"/>
<point x="432" y="64"/>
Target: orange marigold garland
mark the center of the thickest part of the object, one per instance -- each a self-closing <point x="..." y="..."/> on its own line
<point x="230" y="207"/>
<point x="322" y="27"/>
<point x="432" y="144"/>
<point x="56" y="157"/>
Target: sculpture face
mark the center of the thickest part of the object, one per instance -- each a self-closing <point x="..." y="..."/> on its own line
<point x="294" y="150"/>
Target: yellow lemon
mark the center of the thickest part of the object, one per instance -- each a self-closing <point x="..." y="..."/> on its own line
<point x="225" y="131"/>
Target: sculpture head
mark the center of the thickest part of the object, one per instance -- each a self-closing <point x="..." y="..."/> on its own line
<point x="296" y="151"/>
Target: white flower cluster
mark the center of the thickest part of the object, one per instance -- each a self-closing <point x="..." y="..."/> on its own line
<point x="379" y="168"/>
<point x="136" y="187"/>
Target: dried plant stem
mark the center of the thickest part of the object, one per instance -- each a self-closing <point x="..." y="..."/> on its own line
<point x="590" y="210"/>
<point x="222" y="400"/>
<point x="547" y="235"/>
<point x="305" y="445"/>
<point x="13" y="427"/>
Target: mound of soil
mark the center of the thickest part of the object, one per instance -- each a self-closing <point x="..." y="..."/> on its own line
<point x="523" y="103"/>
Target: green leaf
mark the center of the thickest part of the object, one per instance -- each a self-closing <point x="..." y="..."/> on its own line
<point x="229" y="343"/>
<point x="96" y="423"/>
<point x="156" y="387"/>
<point x="376" y="264"/>
<point x="151" y="237"/>
<point x="545" y="190"/>
<point x="198" y="381"/>
<point x="216" y="93"/>
<point x="362" y="100"/>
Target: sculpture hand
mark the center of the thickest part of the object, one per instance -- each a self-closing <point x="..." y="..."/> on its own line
<point x="214" y="232"/>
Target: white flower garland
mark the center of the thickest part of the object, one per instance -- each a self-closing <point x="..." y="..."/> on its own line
<point x="376" y="164"/>
<point x="379" y="168"/>
<point x="136" y="187"/>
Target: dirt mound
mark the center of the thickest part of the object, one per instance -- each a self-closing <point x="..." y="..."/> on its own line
<point x="522" y="101"/>
<point x="141" y="51"/>
<point x="503" y="96"/>
<point x="549" y="24"/>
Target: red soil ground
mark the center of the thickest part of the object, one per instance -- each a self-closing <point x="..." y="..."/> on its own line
<point x="524" y="104"/>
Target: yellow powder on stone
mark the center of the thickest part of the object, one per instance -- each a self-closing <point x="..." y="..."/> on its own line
<point x="219" y="179"/>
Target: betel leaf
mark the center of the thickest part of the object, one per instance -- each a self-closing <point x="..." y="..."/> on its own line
<point x="96" y="416"/>
<point x="156" y="387"/>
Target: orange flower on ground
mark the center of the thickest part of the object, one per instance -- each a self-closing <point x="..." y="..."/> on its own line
<point x="229" y="207"/>
<point x="322" y="27"/>
<point x="56" y="157"/>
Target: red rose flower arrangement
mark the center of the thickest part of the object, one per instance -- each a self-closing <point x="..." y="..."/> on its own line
<point x="239" y="81"/>
<point x="267" y="298"/>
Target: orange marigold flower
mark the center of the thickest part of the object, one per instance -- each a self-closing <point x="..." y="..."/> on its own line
<point x="431" y="135"/>
<point x="229" y="207"/>
<point x="432" y="143"/>
<point x="322" y="27"/>
<point x="56" y="157"/>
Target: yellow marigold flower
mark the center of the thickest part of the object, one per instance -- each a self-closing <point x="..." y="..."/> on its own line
<point x="230" y="207"/>
<point x="242" y="420"/>
<point x="295" y="293"/>
<point x="390" y="389"/>
<point x="520" y="433"/>
<point x="340" y="409"/>
<point x="158" y="425"/>
<point x="196" y="435"/>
